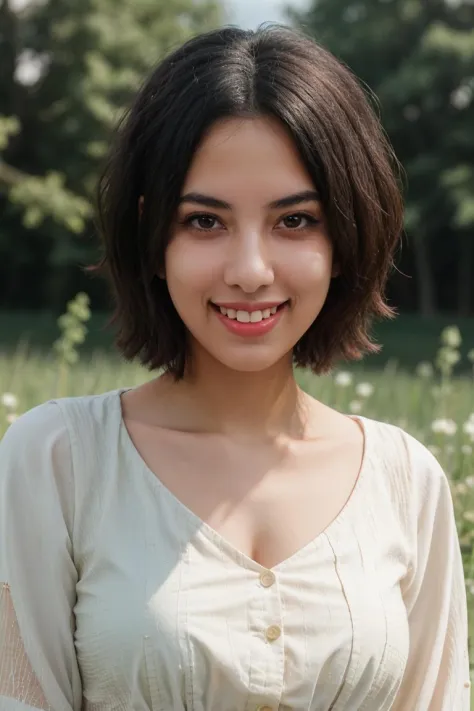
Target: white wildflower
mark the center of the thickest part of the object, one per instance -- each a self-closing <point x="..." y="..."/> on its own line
<point x="470" y="482"/>
<point x="343" y="379"/>
<point x="355" y="406"/>
<point x="447" y="357"/>
<point x="461" y="97"/>
<point x="9" y="400"/>
<point x="424" y="369"/>
<point x="468" y="428"/>
<point x="460" y="488"/>
<point x="364" y="389"/>
<point x="451" y="336"/>
<point x="444" y="426"/>
<point x="469" y="516"/>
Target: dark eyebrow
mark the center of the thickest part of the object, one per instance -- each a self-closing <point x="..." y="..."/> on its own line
<point x="205" y="200"/>
<point x="287" y="201"/>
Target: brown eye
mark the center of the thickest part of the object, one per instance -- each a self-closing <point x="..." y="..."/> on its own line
<point x="299" y="221"/>
<point x="205" y="222"/>
<point x="201" y="222"/>
<point x="292" y="221"/>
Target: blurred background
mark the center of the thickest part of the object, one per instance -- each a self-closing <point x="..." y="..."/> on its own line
<point x="68" y="68"/>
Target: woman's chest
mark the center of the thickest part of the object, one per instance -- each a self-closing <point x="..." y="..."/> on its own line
<point x="179" y="619"/>
<point x="266" y="503"/>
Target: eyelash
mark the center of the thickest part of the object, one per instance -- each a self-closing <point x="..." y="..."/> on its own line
<point x="312" y="221"/>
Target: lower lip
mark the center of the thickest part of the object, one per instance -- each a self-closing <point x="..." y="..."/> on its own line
<point x="260" y="328"/>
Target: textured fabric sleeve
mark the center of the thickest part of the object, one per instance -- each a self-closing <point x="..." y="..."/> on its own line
<point x="38" y="665"/>
<point x="437" y="673"/>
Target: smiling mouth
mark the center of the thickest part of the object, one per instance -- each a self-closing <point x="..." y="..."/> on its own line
<point x="248" y="316"/>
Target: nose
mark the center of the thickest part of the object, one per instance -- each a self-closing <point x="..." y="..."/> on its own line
<point x="249" y="266"/>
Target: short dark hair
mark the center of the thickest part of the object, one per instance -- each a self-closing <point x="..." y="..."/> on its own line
<point x="230" y="72"/>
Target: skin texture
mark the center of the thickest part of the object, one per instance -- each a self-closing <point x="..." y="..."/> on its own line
<point x="250" y="253"/>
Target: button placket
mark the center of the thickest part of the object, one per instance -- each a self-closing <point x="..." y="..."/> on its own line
<point x="265" y="625"/>
<point x="267" y="580"/>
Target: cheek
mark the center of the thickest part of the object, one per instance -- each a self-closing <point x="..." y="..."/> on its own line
<point x="310" y="269"/>
<point x="190" y="270"/>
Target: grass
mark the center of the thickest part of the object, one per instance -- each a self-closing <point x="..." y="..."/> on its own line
<point x="435" y="406"/>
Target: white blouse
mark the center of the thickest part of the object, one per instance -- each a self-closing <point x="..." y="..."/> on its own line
<point x="116" y="597"/>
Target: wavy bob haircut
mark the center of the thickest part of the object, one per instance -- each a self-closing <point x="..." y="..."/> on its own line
<point x="277" y="72"/>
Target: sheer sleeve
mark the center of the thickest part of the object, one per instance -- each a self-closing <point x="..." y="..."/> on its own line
<point x="437" y="673"/>
<point x="38" y="666"/>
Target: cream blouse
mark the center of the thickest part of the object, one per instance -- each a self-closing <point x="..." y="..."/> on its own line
<point x="116" y="597"/>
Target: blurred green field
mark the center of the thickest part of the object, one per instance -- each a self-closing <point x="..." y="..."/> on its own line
<point x="432" y="403"/>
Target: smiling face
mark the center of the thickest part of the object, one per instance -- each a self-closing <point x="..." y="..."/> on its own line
<point x="250" y="262"/>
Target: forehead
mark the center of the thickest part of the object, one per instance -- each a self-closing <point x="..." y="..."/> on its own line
<point x="251" y="155"/>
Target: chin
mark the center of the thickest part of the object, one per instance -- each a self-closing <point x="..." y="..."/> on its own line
<point x="251" y="362"/>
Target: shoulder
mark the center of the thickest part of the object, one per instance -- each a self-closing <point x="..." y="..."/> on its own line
<point x="394" y="445"/>
<point x="411" y="472"/>
<point x="36" y="430"/>
<point x="55" y="420"/>
<point x="49" y="437"/>
<point x="36" y="473"/>
<point x="87" y="412"/>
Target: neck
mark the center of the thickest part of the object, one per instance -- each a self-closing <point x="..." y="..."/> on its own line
<point x="265" y="404"/>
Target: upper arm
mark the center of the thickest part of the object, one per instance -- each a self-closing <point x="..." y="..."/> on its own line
<point x="437" y="673"/>
<point x="38" y="666"/>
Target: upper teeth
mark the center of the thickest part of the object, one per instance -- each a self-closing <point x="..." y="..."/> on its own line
<point x="248" y="316"/>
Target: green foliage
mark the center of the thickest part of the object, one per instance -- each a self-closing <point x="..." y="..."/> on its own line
<point x="418" y="59"/>
<point x="9" y="126"/>
<point x="72" y="325"/>
<point x="92" y="57"/>
<point x="46" y="196"/>
<point x="460" y="183"/>
<point x="41" y="197"/>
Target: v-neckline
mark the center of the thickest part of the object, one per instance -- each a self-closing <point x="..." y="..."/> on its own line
<point x="214" y="535"/>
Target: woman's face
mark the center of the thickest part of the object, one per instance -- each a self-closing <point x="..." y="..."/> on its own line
<point x="250" y="261"/>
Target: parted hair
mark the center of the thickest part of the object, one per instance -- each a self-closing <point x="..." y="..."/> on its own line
<point x="277" y="72"/>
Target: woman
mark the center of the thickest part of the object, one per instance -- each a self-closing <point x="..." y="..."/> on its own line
<point x="216" y="539"/>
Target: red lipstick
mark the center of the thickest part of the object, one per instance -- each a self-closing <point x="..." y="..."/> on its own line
<point x="263" y="324"/>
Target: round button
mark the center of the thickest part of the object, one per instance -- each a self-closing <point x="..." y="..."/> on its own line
<point x="467" y="684"/>
<point x="272" y="633"/>
<point x="267" y="579"/>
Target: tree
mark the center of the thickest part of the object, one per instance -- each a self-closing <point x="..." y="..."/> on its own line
<point x="91" y="56"/>
<point x="417" y="56"/>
